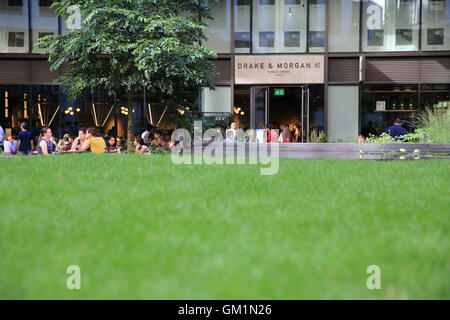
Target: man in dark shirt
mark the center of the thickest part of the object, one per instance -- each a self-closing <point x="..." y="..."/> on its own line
<point x="25" y="142"/>
<point x="396" y="130"/>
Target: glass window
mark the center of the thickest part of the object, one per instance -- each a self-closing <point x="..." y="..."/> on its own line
<point x="44" y="21"/>
<point x="14" y="26"/>
<point x="279" y="26"/>
<point x="343" y="26"/>
<point x="435" y="96"/>
<point x="382" y="104"/>
<point x="316" y="107"/>
<point x="219" y="29"/>
<point x="242" y="37"/>
<point x="15" y="106"/>
<point x="45" y="105"/>
<point x="316" y="36"/>
<point x="241" y="110"/>
<point x="216" y="101"/>
<point x="342" y="113"/>
<point x="390" y="25"/>
<point x="436" y="25"/>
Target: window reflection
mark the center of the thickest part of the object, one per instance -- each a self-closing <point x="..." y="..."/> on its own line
<point x="436" y="25"/>
<point x="14" y="26"/>
<point x="343" y="20"/>
<point x="279" y="26"/>
<point x="390" y="25"/>
<point x="43" y="20"/>
<point x="316" y="36"/>
<point x="219" y="29"/>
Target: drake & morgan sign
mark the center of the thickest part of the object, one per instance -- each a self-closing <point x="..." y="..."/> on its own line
<point x="279" y="69"/>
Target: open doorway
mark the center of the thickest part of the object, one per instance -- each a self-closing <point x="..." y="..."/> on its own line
<point x="285" y="106"/>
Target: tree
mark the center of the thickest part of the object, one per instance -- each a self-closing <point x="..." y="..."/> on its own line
<point x="125" y="45"/>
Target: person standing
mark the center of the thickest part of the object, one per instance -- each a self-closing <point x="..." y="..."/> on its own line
<point x="230" y="134"/>
<point x="25" y="143"/>
<point x="146" y="134"/>
<point x="297" y="136"/>
<point x="396" y="130"/>
<point x="2" y="137"/>
<point x="285" y="135"/>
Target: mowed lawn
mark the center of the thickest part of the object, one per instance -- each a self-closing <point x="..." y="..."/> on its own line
<point x="141" y="227"/>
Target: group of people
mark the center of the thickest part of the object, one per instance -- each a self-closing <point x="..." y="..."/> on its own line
<point x="293" y="133"/>
<point x="88" y="140"/>
<point x="91" y="139"/>
<point x="287" y="133"/>
<point x="22" y="144"/>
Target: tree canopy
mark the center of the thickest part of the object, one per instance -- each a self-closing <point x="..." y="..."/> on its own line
<point x="124" y="45"/>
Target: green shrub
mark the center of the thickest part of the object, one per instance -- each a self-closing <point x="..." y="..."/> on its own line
<point x="419" y="136"/>
<point x="383" y="138"/>
<point x="318" y="137"/>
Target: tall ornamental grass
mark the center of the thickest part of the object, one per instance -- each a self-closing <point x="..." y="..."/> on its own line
<point x="437" y="121"/>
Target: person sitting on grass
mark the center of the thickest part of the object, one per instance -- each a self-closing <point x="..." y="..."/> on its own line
<point x="81" y="141"/>
<point x="141" y="147"/>
<point x="9" y="147"/>
<point x="111" y="145"/>
<point x="396" y="131"/>
<point x="119" y="144"/>
<point x="2" y="138"/>
<point x="47" y="144"/>
<point x="65" y="143"/>
<point x="96" y="142"/>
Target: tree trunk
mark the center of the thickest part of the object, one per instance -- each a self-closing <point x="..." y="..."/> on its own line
<point x="130" y="122"/>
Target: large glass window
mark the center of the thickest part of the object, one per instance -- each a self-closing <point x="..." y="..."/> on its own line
<point x="436" y="25"/>
<point x="14" y="26"/>
<point x="219" y="29"/>
<point x="44" y="106"/>
<point x="435" y="96"/>
<point x="316" y="35"/>
<point x="343" y="26"/>
<point x="44" y="21"/>
<point x="390" y="25"/>
<point x="15" y="106"/>
<point x="316" y="107"/>
<point x="279" y="26"/>
<point x="241" y="108"/>
<point x="242" y="38"/>
<point x="382" y="104"/>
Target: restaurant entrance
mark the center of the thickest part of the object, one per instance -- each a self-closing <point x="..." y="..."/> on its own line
<point x="280" y="106"/>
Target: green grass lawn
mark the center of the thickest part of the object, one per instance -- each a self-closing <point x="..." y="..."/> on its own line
<point x="140" y="227"/>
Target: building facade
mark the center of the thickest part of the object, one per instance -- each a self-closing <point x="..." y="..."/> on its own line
<point x="347" y="67"/>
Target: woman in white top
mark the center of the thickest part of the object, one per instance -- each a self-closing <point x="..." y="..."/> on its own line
<point x="141" y="148"/>
<point x="9" y="146"/>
